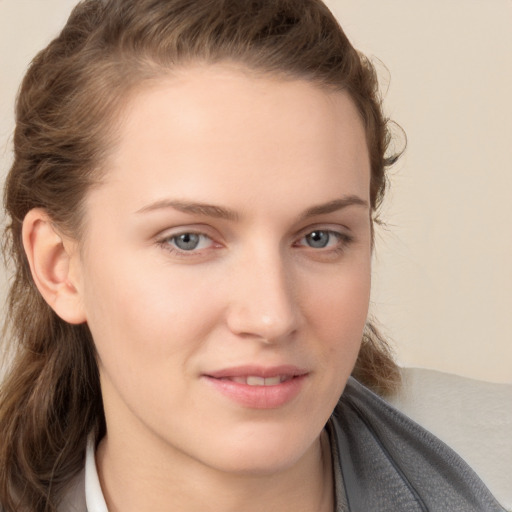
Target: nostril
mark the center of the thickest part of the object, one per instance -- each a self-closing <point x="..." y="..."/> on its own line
<point x="268" y="327"/>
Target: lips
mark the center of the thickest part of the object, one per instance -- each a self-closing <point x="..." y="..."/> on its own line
<point x="258" y="387"/>
<point x="258" y="375"/>
<point x="254" y="380"/>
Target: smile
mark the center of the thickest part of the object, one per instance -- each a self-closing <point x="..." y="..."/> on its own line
<point x="257" y="387"/>
<point x="254" y="380"/>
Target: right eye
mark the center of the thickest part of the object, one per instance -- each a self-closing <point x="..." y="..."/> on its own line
<point x="187" y="242"/>
<point x="320" y="238"/>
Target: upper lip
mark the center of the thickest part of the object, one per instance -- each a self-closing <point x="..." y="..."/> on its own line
<point x="258" y="371"/>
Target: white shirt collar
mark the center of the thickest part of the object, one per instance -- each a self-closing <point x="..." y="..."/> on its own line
<point x="93" y="493"/>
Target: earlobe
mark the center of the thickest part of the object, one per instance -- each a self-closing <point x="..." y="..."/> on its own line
<point x="50" y="260"/>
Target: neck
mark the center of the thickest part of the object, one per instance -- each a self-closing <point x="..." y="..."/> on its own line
<point x="132" y="480"/>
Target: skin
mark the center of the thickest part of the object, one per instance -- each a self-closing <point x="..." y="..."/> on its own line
<point x="255" y="291"/>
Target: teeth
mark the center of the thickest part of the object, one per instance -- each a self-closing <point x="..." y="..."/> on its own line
<point x="255" y="381"/>
<point x="239" y="380"/>
<point x="261" y="381"/>
<point x="273" y="381"/>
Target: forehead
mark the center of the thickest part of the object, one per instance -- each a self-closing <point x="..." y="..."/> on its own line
<point x="205" y="127"/>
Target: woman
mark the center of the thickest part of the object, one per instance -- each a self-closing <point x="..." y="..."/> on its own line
<point x="192" y="204"/>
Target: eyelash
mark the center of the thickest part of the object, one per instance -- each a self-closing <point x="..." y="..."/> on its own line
<point x="343" y="241"/>
<point x="165" y="243"/>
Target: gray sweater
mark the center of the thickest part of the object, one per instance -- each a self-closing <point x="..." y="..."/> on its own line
<point x="388" y="463"/>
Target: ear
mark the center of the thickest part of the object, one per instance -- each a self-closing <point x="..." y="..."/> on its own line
<point x="51" y="259"/>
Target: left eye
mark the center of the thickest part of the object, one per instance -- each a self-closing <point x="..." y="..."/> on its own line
<point x="189" y="241"/>
<point x="320" y="239"/>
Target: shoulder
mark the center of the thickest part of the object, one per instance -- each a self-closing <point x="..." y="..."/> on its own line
<point x="389" y="462"/>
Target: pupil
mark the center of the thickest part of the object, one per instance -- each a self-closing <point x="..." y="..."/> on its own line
<point x="187" y="241"/>
<point x="318" y="239"/>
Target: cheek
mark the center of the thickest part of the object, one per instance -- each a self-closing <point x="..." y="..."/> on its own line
<point x="343" y="298"/>
<point x="145" y="324"/>
<point x="339" y="312"/>
<point x="138" y="313"/>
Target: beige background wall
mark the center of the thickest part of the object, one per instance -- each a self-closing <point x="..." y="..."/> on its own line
<point x="443" y="281"/>
<point x="443" y="272"/>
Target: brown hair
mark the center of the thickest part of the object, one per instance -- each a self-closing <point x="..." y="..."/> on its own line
<point x="50" y="400"/>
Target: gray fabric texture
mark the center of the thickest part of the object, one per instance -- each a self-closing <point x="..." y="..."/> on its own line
<point x="391" y="464"/>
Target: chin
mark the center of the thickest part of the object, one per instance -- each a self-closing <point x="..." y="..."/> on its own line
<point x="261" y="451"/>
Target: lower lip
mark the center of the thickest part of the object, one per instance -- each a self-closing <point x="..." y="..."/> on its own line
<point x="259" y="397"/>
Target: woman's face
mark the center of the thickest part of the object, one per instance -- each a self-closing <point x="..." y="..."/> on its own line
<point x="225" y="274"/>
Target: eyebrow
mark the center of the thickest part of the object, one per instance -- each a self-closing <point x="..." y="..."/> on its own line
<point x="335" y="205"/>
<point x="219" y="212"/>
<point x="209" y="210"/>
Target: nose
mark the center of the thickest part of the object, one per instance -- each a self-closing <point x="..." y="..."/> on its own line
<point x="264" y="303"/>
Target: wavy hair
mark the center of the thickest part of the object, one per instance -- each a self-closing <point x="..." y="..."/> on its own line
<point x="66" y="112"/>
